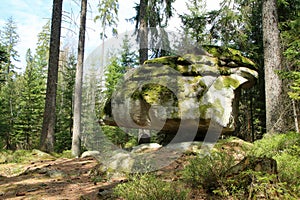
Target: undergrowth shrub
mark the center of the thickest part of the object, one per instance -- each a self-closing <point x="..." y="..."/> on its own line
<point x="285" y="149"/>
<point x="208" y="171"/>
<point x="289" y="170"/>
<point x="212" y="172"/>
<point x="23" y="156"/>
<point x="63" y="154"/>
<point x="275" y="144"/>
<point x="254" y="185"/>
<point x="149" y="187"/>
<point x="118" y="137"/>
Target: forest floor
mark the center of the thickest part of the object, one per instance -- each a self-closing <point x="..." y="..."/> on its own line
<point x="51" y="179"/>
<point x="42" y="176"/>
<point x="35" y="175"/>
<point x="63" y="178"/>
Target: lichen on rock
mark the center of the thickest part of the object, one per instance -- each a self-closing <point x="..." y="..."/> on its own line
<point x="184" y="88"/>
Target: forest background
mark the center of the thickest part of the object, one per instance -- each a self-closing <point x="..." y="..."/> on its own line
<point x="236" y="24"/>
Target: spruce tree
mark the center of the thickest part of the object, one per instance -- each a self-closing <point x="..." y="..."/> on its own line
<point x="9" y="40"/>
<point x="30" y="105"/>
<point x="64" y="107"/>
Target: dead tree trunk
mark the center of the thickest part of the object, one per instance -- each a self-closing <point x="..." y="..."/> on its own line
<point x="76" y="140"/>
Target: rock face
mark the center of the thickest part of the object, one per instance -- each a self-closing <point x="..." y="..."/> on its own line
<point x="172" y="92"/>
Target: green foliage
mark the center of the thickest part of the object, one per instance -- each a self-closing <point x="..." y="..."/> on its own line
<point x="208" y="171"/>
<point x="128" y="57"/>
<point x="211" y="172"/>
<point x="272" y="145"/>
<point x="254" y="185"/>
<point x="64" y="109"/>
<point x="148" y="187"/>
<point x="114" y="74"/>
<point x="3" y="63"/>
<point x="218" y="26"/>
<point x="10" y="39"/>
<point x="63" y="154"/>
<point x="285" y="149"/>
<point x="23" y="156"/>
<point x="294" y="78"/>
<point x="289" y="22"/>
<point x="119" y="66"/>
<point x="108" y="16"/>
<point x="9" y="90"/>
<point x="23" y="97"/>
<point x="289" y="168"/>
<point x="42" y="50"/>
<point x="117" y="136"/>
<point x="156" y="15"/>
<point x="237" y="25"/>
<point x="9" y="95"/>
<point x="3" y="54"/>
<point x="30" y="105"/>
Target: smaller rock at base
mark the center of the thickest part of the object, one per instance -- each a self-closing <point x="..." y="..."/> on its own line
<point x="146" y="148"/>
<point x="90" y="154"/>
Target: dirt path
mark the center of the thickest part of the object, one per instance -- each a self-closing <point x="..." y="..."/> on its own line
<point x="53" y="180"/>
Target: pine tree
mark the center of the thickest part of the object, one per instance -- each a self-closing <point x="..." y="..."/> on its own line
<point x="41" y="57"/>
<point x="152" y="14"/>
<point x="9" y="40"/>
<point x="47" y="136"/>
<point x="114" y="73"/>
<point x="3" y="63"/>
<point x="108" y="17"/>
<point x="30" y="105"/>
<point x="64" y="106"/>
<point x="143" y="30"/>
<point x="119" y="66"/>
<point x="272" y="62"/>
<point x="9" y="96"/>
<point x="289" y="23"/>
<point x="128" y="57"/>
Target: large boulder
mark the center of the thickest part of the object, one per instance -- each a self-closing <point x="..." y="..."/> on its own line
<point x="174" y="91"/>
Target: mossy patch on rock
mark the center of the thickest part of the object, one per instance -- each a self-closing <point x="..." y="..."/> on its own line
<point x="171" y="61"/>
<point x="226" y="82"/>
<point x="230" y="55"/>
<point x="156" y="94"/>
<point x="203" y="109"/>
<point x="185" y="88"/>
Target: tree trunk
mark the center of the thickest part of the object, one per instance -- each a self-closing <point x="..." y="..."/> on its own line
<point x="272" y="62"/>
<point x="47" y="136"/>
<point x="76" y="140"/>
<point x="295" y="116"/>
<point x="143" y="31"/>
<point x="143" y="51"/>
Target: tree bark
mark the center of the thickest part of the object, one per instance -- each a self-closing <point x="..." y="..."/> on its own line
<point x="143" y="48"/>
<point x="76" y="140"/>
<point x="272" y="62"/>
<point x="143" y="31"/>
<point x="295" y="116"/>
<point x="47" y="136"/>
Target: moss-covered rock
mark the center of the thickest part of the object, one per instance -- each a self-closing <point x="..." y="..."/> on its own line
<point x="231" y="57"/>
<point x="189" y="88"/>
